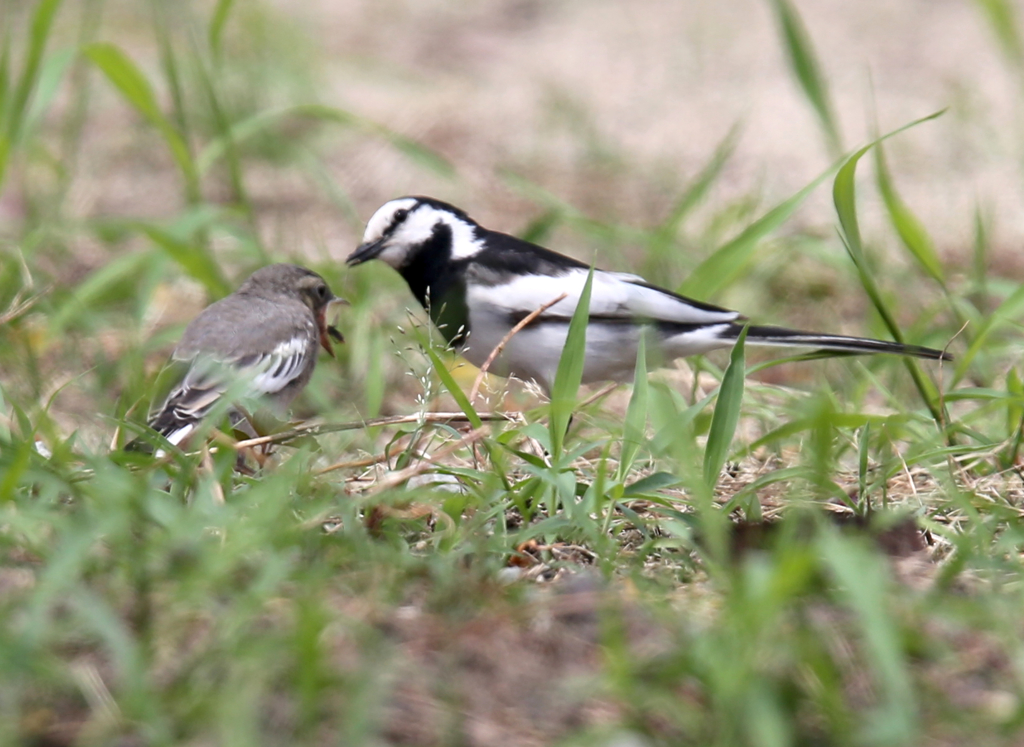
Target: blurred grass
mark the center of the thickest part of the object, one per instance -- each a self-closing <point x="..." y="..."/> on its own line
<point x="180" y="602"/>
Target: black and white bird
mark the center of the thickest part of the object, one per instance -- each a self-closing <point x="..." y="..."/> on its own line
<point x="259" y="345"/>
<point x="477" y="284"/>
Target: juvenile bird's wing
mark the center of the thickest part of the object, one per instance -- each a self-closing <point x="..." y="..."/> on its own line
<point x="248" y="346"/>
<point x="247" y="378"/>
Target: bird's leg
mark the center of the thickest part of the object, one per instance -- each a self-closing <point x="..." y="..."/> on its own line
<point x="249" y="426"/>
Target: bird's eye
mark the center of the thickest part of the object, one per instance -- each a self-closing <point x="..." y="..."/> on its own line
<point x="400" y="215"/>
<point x="321" y="292"/>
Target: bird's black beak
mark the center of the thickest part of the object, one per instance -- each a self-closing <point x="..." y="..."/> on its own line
<point x="365" y="252"/>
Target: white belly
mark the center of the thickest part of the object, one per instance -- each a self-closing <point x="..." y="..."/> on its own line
<point x="534" y="352"/>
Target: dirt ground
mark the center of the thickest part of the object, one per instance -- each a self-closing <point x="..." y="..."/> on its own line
<point x="544" y="88"/>
<point x="638" y="94"/>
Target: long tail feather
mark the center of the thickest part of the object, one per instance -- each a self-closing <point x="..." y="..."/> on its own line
<point x="790" y="337"/>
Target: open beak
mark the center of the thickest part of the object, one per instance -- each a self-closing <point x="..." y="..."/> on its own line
<point x="329" y="332"/>
<point x="365" y="252"/>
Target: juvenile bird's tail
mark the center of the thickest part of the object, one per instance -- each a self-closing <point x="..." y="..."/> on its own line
<point x="182" y="412"/>
<point x="168" y="423"/>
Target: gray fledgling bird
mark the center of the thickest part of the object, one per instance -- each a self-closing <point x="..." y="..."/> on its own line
<point x="477" y="284"/>
<point x="259" y="343"/>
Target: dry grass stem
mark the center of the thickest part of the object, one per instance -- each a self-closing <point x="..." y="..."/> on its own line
<point x="602" y="392"/>
<point x="18" y="307"/>
<point x="352" y="464"/>
<point x="529" y="318"/>
<point x="322" y="428"/>
<point x="397" y="478"/>
<point x="207" y="467"/>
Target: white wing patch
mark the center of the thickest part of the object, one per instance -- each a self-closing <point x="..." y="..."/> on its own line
<point x="177" y="436"/>
<point x="208" y="379"/>
<point x="614" y="295"/>
<point x="273" y="371"/>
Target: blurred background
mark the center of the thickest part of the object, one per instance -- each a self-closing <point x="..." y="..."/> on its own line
<point x="157" y="152"/>
<point x="153" y="153"/>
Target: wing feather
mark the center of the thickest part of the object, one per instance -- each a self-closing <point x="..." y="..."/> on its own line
<point x="614" y="297"/>
<point x="208" y="379"/>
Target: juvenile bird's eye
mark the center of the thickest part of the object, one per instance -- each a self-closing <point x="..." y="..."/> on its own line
<point x="321" y="292"/>
<point x="400" y="215"/>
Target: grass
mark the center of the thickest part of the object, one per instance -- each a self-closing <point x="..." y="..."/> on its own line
<point x="715" y="556"/>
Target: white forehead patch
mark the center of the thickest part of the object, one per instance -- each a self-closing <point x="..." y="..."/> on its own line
<point x="385" y="215"/>
<point x="418" y="228"/>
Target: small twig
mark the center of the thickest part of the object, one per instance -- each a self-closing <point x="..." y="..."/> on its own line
<point x="117" y="431"/>
<point x="504" y="341"/>
<point x="942" y="394"/>
<point x="397" y="478"/>
<point x="353" y="464"/>
<point x="216" y="488"/>
<point x="321" y="428"/>
<point x="598" y="394"/>
<point x="18" y="307"/>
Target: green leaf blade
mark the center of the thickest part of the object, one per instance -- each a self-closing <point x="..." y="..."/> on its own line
<point x="569" y="375"/>
<point x="804" y="63"/>
<point x="726" y="263"/>
<point x="727" y="413"/>
<point x="133" y="86"/>
<point x="635" y="431"/>
<point x="908" y="227"/>
<point x="449" y="383"/>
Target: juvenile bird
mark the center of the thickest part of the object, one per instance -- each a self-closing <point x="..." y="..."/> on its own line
<point x="261" y="343"/>
<point x="477" y="284"/>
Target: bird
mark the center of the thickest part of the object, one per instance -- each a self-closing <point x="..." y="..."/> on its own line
<point x="477" y="284"/>
<point x="259" y="343"/>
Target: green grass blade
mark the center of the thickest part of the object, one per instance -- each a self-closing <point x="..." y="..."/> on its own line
<point x="804" y="64"/>
<point x="1009" y="309"/>
<point x="844" y="195"/>
<point x="862" y="580"/>
<point x="979" y="256"/>
<point x="844" y="192"/>
<point x="42" y="21"/>
<point x="726" y="264"/>
<point x="1002" y="18"/>
<point x="727" y="413"/>
<point x="51" y="74"/>
<point x="218" y="21"/>
<point x="419" y="154"/>
<point x="910" y="230"/>
<point x="263" y="121"/>
<point x="1015" y="390"/>
<point x="635" y="432"/>
<point x="570" y="370"/>
<point x="449" y="383"/>
<point x="126" y="77"/>
<point x="700" y="186"/>
<point x="93" y="288"/>
<point x="1014" y="415"/>
<point x="223" y="124"/>
<point x="128" y="80"/>
<point x="194" y="260"/>
<point x="5" y="154"/>
<point x="165" y="21"/>
<point x="15" y="101"/>
<point x="5" y="78"/>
